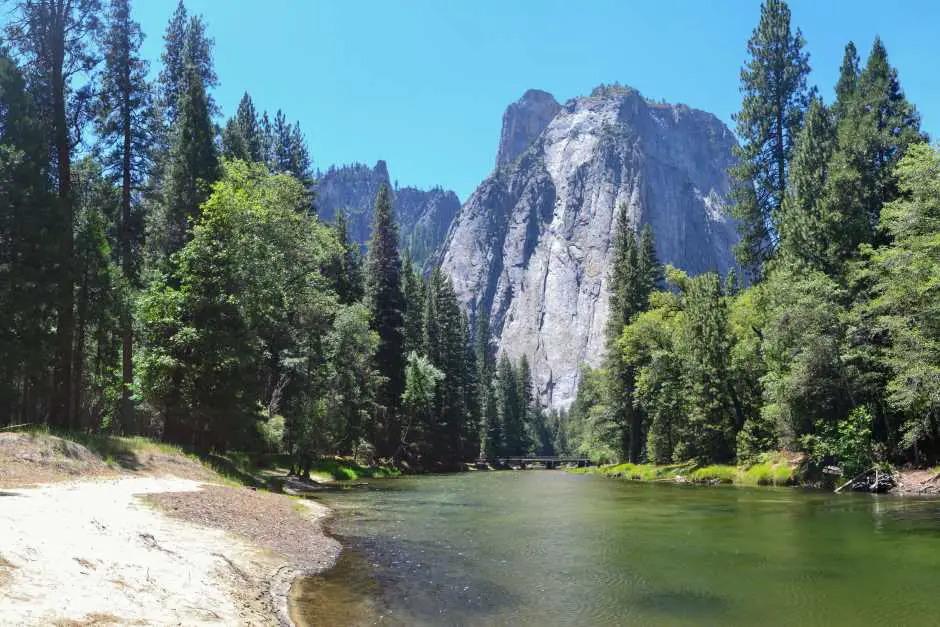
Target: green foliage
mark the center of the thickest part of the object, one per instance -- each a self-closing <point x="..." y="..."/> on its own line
<point x="847" y="443"/>
<point x="387" y="304"/>
<point x="906" y="283"/>
<point x="773" y="83"/>
<point x="806" y="378"/>
<point x="253" y="268"/>
<point x="271" y="433"/>
<point x="421" y="382"/>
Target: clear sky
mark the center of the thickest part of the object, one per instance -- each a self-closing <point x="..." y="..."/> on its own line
<point x="423" y="83"/>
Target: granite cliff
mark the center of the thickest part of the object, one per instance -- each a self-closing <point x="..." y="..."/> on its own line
<point x="531" y="245"/>
<point x="424" y="216"/>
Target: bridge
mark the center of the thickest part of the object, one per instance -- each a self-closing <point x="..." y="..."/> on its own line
<point x="550" y="462"/>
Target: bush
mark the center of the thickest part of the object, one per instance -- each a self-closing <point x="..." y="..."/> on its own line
<point x="846" y="443"/>
<point x="271" y="432"/>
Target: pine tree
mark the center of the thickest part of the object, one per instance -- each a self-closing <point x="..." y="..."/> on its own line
<point x="810" y="231"/>
<point x="242" y="137"/>
<point x="526" y="398"/>
<point x="893" y="123"/>
<point x="289" y="149"/>
<point x="348" y="274"/>
<point x="775" y="96"/>
<point x="414" y="290"/>
<point x="491" y="434"/>
<point x="874" y="126"/>
<point x="847" y="84"/>
<point x="622" y="277"/>
<point x="650" y="271"/>
<point x="387" y="303"/>
<point x="173" y="72"/>
<point x="709" y="435"/>
<point x="192" y="168"/>
<point x="28" y="257"/>
<point x="512" y="429"/>
<point x="445" y="343"/>
<point x="125" y="131"/>
<point x="635" y="272"/>
<point x="53" y="38"/>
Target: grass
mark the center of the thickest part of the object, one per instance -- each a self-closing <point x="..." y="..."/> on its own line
<point x="714" y="473"/>
<point x="769" y="469"/>
<point x="341" y="469"/>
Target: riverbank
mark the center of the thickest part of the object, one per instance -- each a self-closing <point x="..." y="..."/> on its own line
<point x="771" y="469"/>
<point x="778" y="469"/>
<point x="145" y="535"/>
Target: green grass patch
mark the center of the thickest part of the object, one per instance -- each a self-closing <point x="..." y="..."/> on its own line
<point x="769" y="469"/>
<point x="341" y="469"/>
<point x="714" y="473"/>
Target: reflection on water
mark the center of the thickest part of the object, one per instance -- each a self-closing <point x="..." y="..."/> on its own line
<point x="544" y="547"/>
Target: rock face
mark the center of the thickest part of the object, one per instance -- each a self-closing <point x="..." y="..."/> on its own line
<point x="522" y="123"/>
<point x="532" y="243"/>
<point x="424" y="216"/>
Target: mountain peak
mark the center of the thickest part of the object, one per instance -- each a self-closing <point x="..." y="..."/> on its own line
<point x="522" y="123"/>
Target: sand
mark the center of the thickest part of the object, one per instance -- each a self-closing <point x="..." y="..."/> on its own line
<point x="93" y="553"/>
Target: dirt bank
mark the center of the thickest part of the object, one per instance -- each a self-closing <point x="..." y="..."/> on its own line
<point x="127" y="544"/>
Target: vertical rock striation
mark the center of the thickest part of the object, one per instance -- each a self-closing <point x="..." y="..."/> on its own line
<point x="532" y="243"/>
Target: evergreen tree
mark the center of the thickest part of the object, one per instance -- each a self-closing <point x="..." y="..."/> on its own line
<point x="242" y="137"/>
<point x="512" y="427"/>
<point x="186" y="45"/>
<point x="810" y="231"/>
<point x="650" y="270"/>
<point x="347" y="268"/>
<point x="491" y="433"/>
<point x="906" y="274"/>
<point x="28" y="257"/>
<point x="445" y="341"/>
<point x="710" y="432"/>
<point x="775" y="96"/>
<point x="635" y="273"/>
<point x="387" y="303"/>
<point x="524" y="395"/>
<point x="893" y="124"/>
<point x="875" y="124"/>
<point x="847" y="84"/>
<point x="101" y="306"/>
<point x="289" y="149"/>
<point x="192" y="168"/>
<point x="53" y="37"/>
<point x="173" y="71"/>
<point x="414" y="291"/>
<point x="125" y="131"/>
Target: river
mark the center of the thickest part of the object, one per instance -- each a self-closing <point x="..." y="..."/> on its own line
<point x="548" y="548"/>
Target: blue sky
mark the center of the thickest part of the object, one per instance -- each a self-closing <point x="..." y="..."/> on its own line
<point x="423" y="83"/>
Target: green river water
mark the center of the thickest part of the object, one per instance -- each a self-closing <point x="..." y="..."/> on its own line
<point x="548" y="548"/>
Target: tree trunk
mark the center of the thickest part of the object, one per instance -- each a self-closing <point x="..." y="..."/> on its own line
<point x="127" y="332"/>
<point x="63" y="404"/>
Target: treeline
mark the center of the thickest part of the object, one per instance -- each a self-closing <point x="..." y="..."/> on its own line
<point x="165" y="275"/>
<point x="831" y="343"/>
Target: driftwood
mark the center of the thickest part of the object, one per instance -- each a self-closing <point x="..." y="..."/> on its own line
<point x="883" y="481"/>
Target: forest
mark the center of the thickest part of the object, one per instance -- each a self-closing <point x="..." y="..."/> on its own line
<point x="165" y="274"/>
<point x="828" y="342"/>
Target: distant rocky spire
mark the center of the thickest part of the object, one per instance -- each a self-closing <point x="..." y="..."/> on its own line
<point x="522" y="123"/>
